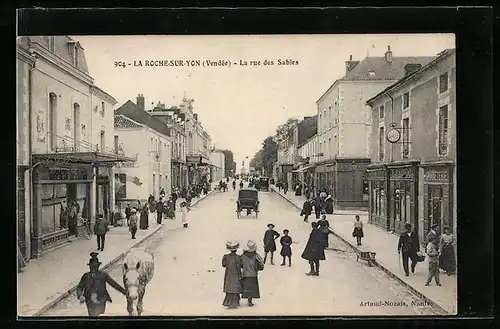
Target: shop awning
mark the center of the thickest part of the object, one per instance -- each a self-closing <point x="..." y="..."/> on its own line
<point x="305" y="168"/>
<point x="83" y="157"/>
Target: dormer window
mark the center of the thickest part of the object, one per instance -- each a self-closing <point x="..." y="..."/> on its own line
<point x="73" y="49"/>
<point x="52" y="44"/>
<point x="371" y="73"/>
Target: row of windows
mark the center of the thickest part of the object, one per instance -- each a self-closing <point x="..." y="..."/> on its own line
<point x="329" y="117"/>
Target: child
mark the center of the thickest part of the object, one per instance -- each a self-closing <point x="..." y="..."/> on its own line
<point x="286" y="249"/>
<point x="433" y="254"/>
<point x="184" y="211"/>
<point x="133" y="222"/>
<point x="269" y="243"/>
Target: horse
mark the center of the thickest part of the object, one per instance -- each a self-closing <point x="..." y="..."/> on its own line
<point x="138" y="270"/>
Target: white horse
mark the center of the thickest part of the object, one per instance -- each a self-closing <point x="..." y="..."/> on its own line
<point x="138" y="270"/>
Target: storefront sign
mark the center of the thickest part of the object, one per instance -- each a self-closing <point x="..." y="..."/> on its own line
<point x="68" y="174"/>
<point x="436" y="175"/>
<point x="102" y="179"/>
<point x="193" y="159"/>
<point x="402" y="173"/>
<point x="128" y="164"/>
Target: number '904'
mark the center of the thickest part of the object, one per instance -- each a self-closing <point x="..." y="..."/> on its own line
<point x="122" y="64"/>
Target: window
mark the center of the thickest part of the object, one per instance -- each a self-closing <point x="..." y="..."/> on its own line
<point x="103" y="108"/>
<point x="330" y="147"/>
<point x="116" y="143"/>
<point x="52" y="44"/>
<point x="75" y="55"/>
<point x="336" y="109"/>
<point x="381" y="112"/>
<point x="406" y="100"/>
<point x="52" y="126"/>
<point x="154" y="184"/>
<point x="406" y="138"/>
<point x="76" y="125"/>
<point x="443" y="82"/>
<point x="330" y="116"/>
<point x="379" y="201"/>
<point x="103" y="141"/>
<point x="443" y="130"/>
<point x="381" y="144"/>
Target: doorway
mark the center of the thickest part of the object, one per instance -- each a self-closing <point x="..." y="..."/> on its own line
<point x="434" y="213"/>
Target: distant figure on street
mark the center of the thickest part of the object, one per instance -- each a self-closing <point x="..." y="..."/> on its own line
<point x="175" y="196"/>
<point x="101" y="227"/>
<point x="433" y="254"/>
<point x="144" y="221"/>
<point x="318" y="206"/>
<point x="252" y="263"/>
<point x="314" y="250"/>
<point x="278" y="184"/>
<point x="63" y="215"/>
<point x="234" y="185"/>
<point x="269" y="242"/>
<point x="92" y="287"/>
<point x="408" y="246"/>
<point x="241" y="184"/>
<point x="133" y="222"/>
<point x="232" y="275"/>
<point x="306" y="209"/>
<point x="285" y="187"/>
<point x="447" y="260"/>
<point x="184" y="211"/>
<point x="324" y="228"/>
<point x="128" y="212"/>
<point x="162" y="193"/>
<point x="72" y="217"/>
<point x="286" y="247"/>
<point x="159" y="211"/>
<point x="329" y="205"/>
<point x="358" y="230"/>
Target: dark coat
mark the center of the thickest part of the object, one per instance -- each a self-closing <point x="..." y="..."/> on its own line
<point x="144" y="219"/>
<point x="319" y="204"/>
<point x="101" y="226"/>
<point x="269" y="243"/>
<point x="286" y="243"/>
<point x="128" y="212"/>
<point x="307" y="208"/>
<point x="232" y="276"/>
<point x="159" y="206"/>
<point x="410" y="243"/>
<point x="329" y="205"/>
<point x="97" y="284"/>
<point x="314" y="249"/>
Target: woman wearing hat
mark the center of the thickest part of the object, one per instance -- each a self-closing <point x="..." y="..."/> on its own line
<point x="314" y="250"/>
<point x="269" y="243"/>
<point x="92" y="287"/>
<point x="447" y="259"/>
<point x="252" y="263"/>
<point x="232" y="276"/>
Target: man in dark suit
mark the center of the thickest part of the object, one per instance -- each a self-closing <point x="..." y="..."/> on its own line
<point x="408" y="246"/>
<point x="92" y="288"/>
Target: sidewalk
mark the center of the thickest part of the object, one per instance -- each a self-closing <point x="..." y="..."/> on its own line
<point x="385" y="245"/>
<point x="48" y="279"/>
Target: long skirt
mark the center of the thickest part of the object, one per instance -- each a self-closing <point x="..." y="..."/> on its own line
<point x="250" y="287"/>
<point x="358" y="232"/>
<point x="447" y="259"/>
<point x="231" y="300"/>
<point x="96" y="309"/>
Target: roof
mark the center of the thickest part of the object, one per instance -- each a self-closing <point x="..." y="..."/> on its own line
<point x="131" y="111"/>
<point x="122" y="121"/>
<point x="415" y="73"/>
<point x="383" y="69"/>
<point x="307" y="128"/>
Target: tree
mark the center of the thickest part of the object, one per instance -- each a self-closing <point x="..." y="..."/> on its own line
<point x="269" y="155"/>
<point x="285" y="130"/>
<point x="256" y="161"/>
<point x="229" y="163"/>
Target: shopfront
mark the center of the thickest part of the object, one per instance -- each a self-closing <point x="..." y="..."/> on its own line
<point x="103" y="192"/>
<point x="348" y="183"/>
<point x="377" y="185"/>
<point x="287" y="170"/>
<point x="438" y="196"/>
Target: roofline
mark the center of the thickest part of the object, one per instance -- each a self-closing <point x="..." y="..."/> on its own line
<point x="307" y="140"/>
<point x="444" y="54"/>
<point x="105" y="94"/>
<point x="126" y="117"/>
<point x="326" y="92"/>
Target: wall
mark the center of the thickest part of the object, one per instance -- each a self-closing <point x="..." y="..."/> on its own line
<point x="100" y="122"/>
<point x="326" y="122"/>
<point x="22" y="112"/>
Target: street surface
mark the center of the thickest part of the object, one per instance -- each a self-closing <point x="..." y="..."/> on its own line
<point x="189" y="277"/>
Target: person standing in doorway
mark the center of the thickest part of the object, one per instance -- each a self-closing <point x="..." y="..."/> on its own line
<point x="101" y="227"/>
<point x="133" y="223"/>
<point x="408" y="246"/>
<point x="72" y="218"/>
<point x="314" y="251"/>
<point x="159" y="211"/>
<point x="286" y="248"/>
<point x="433" y="254"/>
<point x="269" y="242"/>
<point x="358" y="230"/>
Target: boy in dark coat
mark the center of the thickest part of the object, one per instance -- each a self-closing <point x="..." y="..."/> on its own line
<point x="100" y="229"/>
<point x="269" y="243"/>
<point x="92" y="288"/>
<point x="314" y="250"/>
<point x="286" y="248"/>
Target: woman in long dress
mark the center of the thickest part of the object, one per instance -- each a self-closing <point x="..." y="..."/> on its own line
<point x="447" y="259"/>
<point x="232" y="277"/>
<point x="144" y="221"/>
<point x="252" y="263"/>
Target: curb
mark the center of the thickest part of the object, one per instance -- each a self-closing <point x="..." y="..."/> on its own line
<point x="382" y="267"/>
<point x="74" y="285"/>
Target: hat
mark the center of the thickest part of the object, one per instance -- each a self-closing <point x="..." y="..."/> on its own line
<point x="270" y="225"/>
<point x="133" y="210"/>
<point x="323" y="216"/>
<point x="407" y="225"/>
<point x="93" y="259"/>
<point x="286" y="230"/>
<point x="434" y="226"/>
<point x="251" y="246"/>
<point x="232" y="245"/>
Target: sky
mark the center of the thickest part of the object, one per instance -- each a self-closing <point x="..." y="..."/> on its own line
<point x="239" y="106"/>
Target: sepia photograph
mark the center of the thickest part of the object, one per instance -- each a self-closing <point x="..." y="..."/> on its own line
<point x="236" y="175"/>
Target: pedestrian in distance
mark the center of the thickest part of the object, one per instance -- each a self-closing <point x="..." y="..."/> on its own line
<point x="318" y="206"/>
<point x="329" y="205"/>
<point x="128" y="212"/>
<point x="92" y="287"/>
<point x="101" y="227"/>
<point x="133" y="222"/>
<point x="324" y="228"/>
<point x="314" y="251"/>
<point x="433" y="254"/>
<point x="159" y="211"/>
<point x="184" y="211"/>
<point x="408" y="247"/>
<point x="306" y="209"/>
<point x="286" y="248"/>
<point x="144" y="219"/>
<point x="269" y="242"/>
<point x="358" y="230"/>
<point x="232" y="276"/>
<point x="252" y="263"/>
<point x="447" y="260"/>
<point x="285" y="187"/>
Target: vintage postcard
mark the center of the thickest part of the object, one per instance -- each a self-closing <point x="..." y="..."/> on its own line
<point x="237" y="175"/>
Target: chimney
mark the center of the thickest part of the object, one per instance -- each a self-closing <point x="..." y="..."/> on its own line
<point x="195" y="115"/>
<point x="140" y="102"/>
<point x="410" y="68"/>
<point x="350" y="64"/>
<point x="388" y="55"/>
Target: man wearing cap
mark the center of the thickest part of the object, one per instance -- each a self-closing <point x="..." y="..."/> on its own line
<point x="92" y="287"/>
<point x="408" y="246"/>
<point x="269" y="243"/>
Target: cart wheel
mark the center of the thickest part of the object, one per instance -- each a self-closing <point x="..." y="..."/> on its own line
<point x="238" y="214"/>
<point x="256" y="214"/>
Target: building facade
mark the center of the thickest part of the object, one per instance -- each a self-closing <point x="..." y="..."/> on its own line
<point x="287" y="147"/>
<point x="139" y="133"/>
<point x="217" y="162"/>
<point x="344" y="127"/>
<point x="412" y="178"/>
<point x="69" y="124"/>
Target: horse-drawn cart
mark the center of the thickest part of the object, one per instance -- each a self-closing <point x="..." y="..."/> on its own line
<point x="248" y="199"/>
<point x="368" y="256"/>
